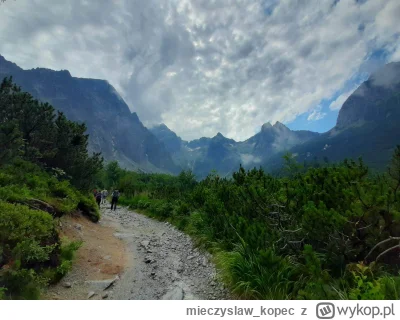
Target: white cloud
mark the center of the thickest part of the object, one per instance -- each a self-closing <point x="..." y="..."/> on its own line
<point x="316" y="114"/>
<point x="338" y="102"/>
<point x="247" y="158"/>
<point x="204" y="66"/>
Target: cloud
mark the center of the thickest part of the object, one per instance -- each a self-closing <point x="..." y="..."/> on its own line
<point x="203" y="66"/>
<point x="247" y="158"/>
<point x="338" y="102"/>
<point x="316" y="114"/>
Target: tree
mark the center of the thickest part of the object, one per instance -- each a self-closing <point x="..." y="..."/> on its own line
<point x="113" y="173"/>
<point x="46" y="138"/>
<point x="34" y="119"/>
<point x="394" y="171"/>
<point x="10" y="141"/>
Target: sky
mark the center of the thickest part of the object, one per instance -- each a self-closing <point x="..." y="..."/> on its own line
<point x="208" y="66"/>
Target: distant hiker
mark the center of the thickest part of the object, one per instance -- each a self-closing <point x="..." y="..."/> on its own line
<point x="94" y="193"/>
<point x="104" y="195"/>
<point x="98" y="198"/>
<point x="114" y="199"/>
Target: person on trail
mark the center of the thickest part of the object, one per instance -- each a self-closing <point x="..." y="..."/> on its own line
<point x="114" y="199"/>
<point x="98" y="198"/>
<point x="104" y="195"/>
<point x="94" y="193"/>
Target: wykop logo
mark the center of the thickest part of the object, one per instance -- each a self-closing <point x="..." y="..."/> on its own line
<point x="325" y="310"/>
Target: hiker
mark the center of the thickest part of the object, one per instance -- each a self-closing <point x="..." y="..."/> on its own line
<point x="98" y="198"/>
<point x="94" y="193"/>
<point x="104" y="195"/>
<point x="114" y="199"/>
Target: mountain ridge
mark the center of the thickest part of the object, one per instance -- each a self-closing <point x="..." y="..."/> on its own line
<point x="113" y="129"/>
<point x="371" y="113"/>
<point x="367" y="121"/>
<point x="224" y="154"/>
<point x="367" y="125"/>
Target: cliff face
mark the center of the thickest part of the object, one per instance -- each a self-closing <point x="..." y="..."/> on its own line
<point x="114" y="131"/>
<point x="372" y="100"/>
<point x="367" y="125"/>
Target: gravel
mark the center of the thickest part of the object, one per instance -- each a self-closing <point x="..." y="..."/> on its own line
<point x="164" y="262"/>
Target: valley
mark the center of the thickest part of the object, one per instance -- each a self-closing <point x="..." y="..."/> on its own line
<point x="370" y="114"/>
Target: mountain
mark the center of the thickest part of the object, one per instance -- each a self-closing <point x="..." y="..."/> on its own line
<point x="225" y="155"/>
<point x="171" y="141"/>
<point x="371" y="102"/>
<point x="275" y="138"/>
<point x="114" y="131"/>
<point x="367" y="125"/>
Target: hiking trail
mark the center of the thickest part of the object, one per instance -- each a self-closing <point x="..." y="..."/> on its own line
<point x="132" y="257"/>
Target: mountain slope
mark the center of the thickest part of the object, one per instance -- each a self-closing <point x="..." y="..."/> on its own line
<point x="275" y="138"/>
<point x="367" y="125"/>
<point x="371" y="101"/>
<point x="114" y="131"/>
<point x="225" y="155"/>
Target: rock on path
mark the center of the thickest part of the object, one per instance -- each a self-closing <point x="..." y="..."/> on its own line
<point x="164" y="262"/>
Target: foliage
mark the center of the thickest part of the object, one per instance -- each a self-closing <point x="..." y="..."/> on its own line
<point x="29" y="242"/>
<point x="45" y="172"/>
<point x="87" y="204"/>
<point x="22" y="181"/>
<point x="301" y="235"/>
<point x="33" y="130"/>
<point x="31" y="253"/>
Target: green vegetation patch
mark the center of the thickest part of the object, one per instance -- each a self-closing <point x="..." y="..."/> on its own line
<point x="317" y="232"/>
<point x="45" y="172"/>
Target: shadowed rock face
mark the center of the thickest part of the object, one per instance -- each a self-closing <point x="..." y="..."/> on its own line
<point x="114" y="131"/>
<point x="370" y="101"/>
<point x="172" y="142"/>
<point x="367" y="125"/>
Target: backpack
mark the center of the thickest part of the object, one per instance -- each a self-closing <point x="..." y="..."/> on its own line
<point x="115" y="194"/>
<point x="98" y="195"/>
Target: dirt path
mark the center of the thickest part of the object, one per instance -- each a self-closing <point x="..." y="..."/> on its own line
<point x="134" y="257"/>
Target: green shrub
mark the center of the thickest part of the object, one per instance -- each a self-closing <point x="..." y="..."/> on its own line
<point x="68" y="249"/>
<point x="88" y="206"/>
<point x="392" y="286"/>
<point x="133" y="202"/>
<point x="364" y="284"/>
<point x="21" y="185"/>
<point x="29" y="243"/>
<point x="19" y="223"/>
<point x="3" y="293"/>
<point x="182" y="208"/>
<point x="23" y="283"/>
<point x="67" y="255"/>
<point x="34" y="188"/>
<point x="31" y="253"/>
<point x="259" y="275"/>
<point x="299" y="235"/>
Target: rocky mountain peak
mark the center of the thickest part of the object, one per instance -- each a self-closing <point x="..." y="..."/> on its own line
<point x="266" y="126"/>
<point x="374" y="100"/>
<point x="279" y="125"/>
<point x="7" y="66"/>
